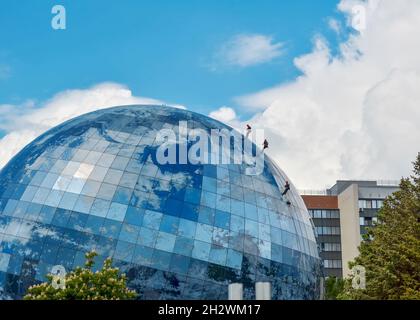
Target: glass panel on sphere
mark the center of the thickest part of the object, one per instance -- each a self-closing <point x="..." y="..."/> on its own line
<point x="183" y="231"/>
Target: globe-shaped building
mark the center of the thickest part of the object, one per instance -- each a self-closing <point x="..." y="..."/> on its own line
<point x="178" y="231"/>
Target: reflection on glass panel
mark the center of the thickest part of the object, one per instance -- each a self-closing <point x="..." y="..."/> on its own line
<point x="165" y="241"/>
<point x="187" y="228"/>
<point x="129" y="233"/>
<point x="183" y="246"/>
<point x="218" y="255"/>
<point x="143" y="256"/>
<point x="234" y="259"/>
<point x="201" y="250"/>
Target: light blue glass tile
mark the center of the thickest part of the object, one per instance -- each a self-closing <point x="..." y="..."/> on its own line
<point x="204" y="232"/>
<point x="117" y="211"/>
<point x="201" y="250"/>
<point x="187" y="228"/>
<point x="152" y="219"/>
<point x="100" y="208"/>
<point x="165" y="241"/>
<point x="147" y="237"/>
<point x="208" y="199"/>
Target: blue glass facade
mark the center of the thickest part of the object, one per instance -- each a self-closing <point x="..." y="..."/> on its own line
<point x="177" y="231"/>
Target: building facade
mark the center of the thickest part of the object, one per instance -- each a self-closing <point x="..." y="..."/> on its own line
<point x="326" y="217"/>
<point x="341" y="215"/>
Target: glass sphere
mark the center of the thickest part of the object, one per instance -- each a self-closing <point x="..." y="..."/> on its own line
<point x="178" y="231"/>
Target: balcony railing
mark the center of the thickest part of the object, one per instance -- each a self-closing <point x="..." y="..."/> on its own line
<point x="313" y="192"/>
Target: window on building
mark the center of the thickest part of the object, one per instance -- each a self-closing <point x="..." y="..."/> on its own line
<point x="324" y="214"/>
<point x="368" y="221"/>
<point x="335" y="214"/>
<point x="329" y="247"/>
<point x="370" y="204"/>
<point x="332" y="264"/>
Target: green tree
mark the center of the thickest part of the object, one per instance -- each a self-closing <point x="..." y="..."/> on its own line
<point x="333" y="287"/>
<point x="84" y="284"/>
<point x="391" y="255"/>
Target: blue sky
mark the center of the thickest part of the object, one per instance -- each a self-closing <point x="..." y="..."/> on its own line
<point x="163" y="49"/>
<point x="295" y="68"/>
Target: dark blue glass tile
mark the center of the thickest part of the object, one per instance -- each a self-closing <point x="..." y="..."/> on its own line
<point x="198" y="269"/>
<point x="15" y="264"/>
<point x="192" y="195"/>
<point x="189" y="212"/>
<point x="222" y="219"/>
<point x="161" y="260"/>
<point x="77" y="221"/>
<point x="65" y="257"/>
<point x="94" y="224"/>
<point x="61" y="217"/>
<point x="179" y="264"/>
<point x="173" y="207"/>
<point x="210" y="171"/>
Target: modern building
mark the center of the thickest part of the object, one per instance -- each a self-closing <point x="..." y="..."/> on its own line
<point x="179" y="230"/>
<point x="326" y="217"/>
<point x="341" y="215"/>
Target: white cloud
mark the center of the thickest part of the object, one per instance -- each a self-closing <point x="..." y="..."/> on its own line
<point x="25" y="122"/>
<point x="246" y="50"/>
<point x="356" y="115"/>
<point x="228" y="116"/>
<point x="334" y="25"/>
<point x="224" y="114"/>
